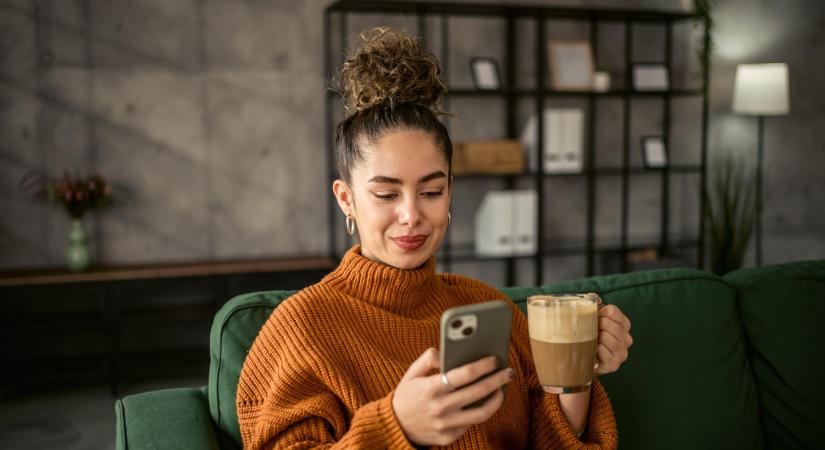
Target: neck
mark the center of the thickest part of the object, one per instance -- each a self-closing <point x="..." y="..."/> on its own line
<point x="403" y="291"/>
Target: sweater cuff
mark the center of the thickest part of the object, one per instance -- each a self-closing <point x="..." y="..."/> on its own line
<point x="601" y="424"/>
<point x="376" y="423"/>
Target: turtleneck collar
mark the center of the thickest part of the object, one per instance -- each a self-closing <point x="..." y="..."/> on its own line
<point x="402" y="291"/>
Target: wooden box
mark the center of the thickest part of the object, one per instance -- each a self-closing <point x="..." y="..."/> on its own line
<point x="488" y="157"/>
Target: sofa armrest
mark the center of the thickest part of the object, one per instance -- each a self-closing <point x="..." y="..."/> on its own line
<point x="169" y="418"/>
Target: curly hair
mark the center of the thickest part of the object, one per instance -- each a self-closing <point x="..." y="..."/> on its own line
<point x="388" y="83"/>
<point x="390" y="68"/>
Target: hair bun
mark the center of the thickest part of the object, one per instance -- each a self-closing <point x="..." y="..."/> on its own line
<point x="390" y="68"/>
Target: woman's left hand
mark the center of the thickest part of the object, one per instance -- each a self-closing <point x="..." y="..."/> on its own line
<point x="614" y="339"/>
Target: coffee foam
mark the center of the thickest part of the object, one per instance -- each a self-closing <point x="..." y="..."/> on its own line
<point x="569" y="322"/>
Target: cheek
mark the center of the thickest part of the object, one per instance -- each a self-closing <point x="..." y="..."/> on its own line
<point x="439" y="211"/>
<point x="377" y="216"/>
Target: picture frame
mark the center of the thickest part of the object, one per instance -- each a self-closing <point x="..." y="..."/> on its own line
<point x="654" y="152"/>
<point x="650" y="77"/>
<point x="571" y="65"/>
<point x="485" y="73"/>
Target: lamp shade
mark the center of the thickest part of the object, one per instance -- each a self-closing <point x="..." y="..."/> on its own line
<point x="761" y="89"/>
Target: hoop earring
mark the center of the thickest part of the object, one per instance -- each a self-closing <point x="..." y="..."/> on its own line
<point x="350" y="222"/>
<point x="448" y="218"/>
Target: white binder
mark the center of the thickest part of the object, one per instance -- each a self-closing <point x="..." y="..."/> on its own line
<point x="563" y="140"/>
<point x="505" y="224"/>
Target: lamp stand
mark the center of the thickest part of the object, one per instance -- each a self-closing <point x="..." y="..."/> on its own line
<point x="760" y="152"/>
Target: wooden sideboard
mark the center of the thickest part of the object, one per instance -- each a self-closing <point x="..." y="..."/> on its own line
<point x="123" y="323"/>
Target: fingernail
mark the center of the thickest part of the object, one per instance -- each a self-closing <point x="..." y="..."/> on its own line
<point x="511" y="374"/>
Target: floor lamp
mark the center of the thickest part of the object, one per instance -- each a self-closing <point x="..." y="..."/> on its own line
<point x="760" y="90"/>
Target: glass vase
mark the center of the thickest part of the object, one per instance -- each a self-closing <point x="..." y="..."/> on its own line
<point x="77" y="253"/>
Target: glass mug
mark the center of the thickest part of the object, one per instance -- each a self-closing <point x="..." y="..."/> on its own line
<point x="564" y="331"/>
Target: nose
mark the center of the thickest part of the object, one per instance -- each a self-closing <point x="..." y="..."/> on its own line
<point x="408" y="212"/>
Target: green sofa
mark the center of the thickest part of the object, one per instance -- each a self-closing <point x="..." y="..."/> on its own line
<point x="718" y="363"/>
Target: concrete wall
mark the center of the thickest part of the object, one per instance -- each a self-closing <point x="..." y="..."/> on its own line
<point x="211" y="113"/>
<point x="208" y="111"/>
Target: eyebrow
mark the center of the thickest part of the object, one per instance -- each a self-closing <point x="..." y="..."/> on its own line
<point x="389" y="180"/>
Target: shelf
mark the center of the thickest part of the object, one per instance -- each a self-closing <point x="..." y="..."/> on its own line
<point x="468" y="9"/>
<point x="553" y="93"/>
<point x="603" y="171"/>
<point x="470" y="92"/>
<point x="466" y="253"/>
<point x="152" y="271"/>
<point x="645" y="171"/>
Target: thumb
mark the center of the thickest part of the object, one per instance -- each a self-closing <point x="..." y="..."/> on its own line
<point x="422" y="366"/>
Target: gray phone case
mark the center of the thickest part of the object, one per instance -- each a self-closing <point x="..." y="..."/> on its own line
<point x="491" y="336"/>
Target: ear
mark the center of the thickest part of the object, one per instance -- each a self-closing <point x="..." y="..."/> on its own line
<point x="344" y="196"/>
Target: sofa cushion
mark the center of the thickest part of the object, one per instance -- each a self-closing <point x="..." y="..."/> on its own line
<point x="782" y="308"/>
<point x="234" y="329"/>
<point x="686" y="383"/>
<point x="165" y="419"/>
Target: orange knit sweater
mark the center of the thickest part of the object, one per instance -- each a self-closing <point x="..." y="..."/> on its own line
<point x="323" y="369"/>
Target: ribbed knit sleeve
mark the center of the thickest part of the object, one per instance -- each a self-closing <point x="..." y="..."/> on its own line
<point x="549" y="427"/>
<point x="281" y="403"/>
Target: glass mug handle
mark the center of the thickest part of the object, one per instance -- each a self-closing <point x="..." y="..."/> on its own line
<point x="599" y="305"/>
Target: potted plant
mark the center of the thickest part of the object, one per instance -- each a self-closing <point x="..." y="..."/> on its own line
<point x="730" y="212"/>
<point x="76" y="195"/>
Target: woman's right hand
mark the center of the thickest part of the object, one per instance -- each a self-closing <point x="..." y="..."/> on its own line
<point x="432" y="414"/>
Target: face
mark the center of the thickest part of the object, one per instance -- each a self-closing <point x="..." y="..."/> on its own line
<point x="399" y="198"/>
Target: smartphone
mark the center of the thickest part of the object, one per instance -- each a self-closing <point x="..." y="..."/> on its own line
<point x="472" y="332"/>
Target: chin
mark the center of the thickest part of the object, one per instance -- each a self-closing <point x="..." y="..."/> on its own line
<point x="409" y="261"/>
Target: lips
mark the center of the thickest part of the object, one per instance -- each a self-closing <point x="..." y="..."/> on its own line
<point x="410" y="243"/>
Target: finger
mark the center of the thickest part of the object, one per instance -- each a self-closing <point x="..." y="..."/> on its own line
<point x="468" y="373"/>
<point x="611" y="342"/>
<point x="478" y="390"/>
<point x="613" y="313"/>
<point x="606" y="361"/>
<point x="617" y="353"/>
<point x="424" y="365"/>
<point x="614" y="329"/>
<point x="468" y="417"/>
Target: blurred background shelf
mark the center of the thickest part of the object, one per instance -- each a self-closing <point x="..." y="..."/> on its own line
<point x="614" y="172"/>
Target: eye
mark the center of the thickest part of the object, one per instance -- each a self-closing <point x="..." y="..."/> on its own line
<point x="385" y="196"/>
<point x="432" y="194"/>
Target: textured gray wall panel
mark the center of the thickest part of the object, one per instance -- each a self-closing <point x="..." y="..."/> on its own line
<point x="211" y="112"/>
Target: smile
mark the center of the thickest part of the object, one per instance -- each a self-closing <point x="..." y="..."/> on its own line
<point x="410" y="243"/>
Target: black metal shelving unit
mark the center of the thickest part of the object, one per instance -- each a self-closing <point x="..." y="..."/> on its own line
<point x="590" y="17"/>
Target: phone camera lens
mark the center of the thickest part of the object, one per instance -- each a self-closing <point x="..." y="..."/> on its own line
<point x="456" y="324"/>
<point x="467" y="331"/>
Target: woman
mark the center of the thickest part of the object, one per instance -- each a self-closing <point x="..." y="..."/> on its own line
<point x="350" y="361"/>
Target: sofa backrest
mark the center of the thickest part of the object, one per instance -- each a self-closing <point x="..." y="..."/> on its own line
<point x="685" y="384"/>
<point x="234" y="329"/>
<point x="783" y="311"/>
